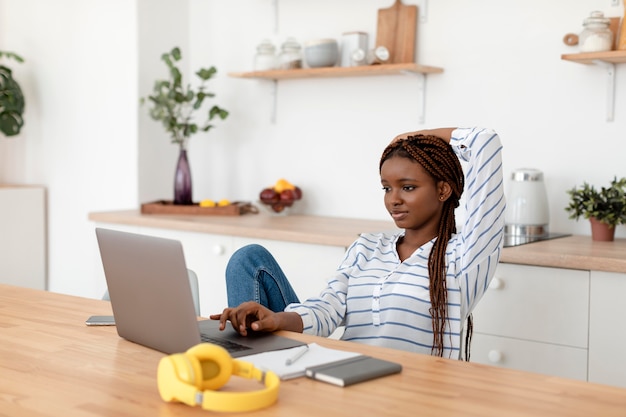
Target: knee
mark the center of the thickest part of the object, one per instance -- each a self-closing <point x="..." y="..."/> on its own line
<point x="246" y="255"/>
<point x="251" y="251"/>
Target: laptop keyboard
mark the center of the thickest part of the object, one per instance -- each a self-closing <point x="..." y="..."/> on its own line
<point x="226" y="344"/>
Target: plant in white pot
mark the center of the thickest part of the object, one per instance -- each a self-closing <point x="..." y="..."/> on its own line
<point x="11" y="99"/>
<point x="175" y="105"/>
<point x="605" y="208"/>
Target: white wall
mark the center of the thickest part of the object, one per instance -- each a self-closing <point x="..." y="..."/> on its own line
<point x="89" y="142"/>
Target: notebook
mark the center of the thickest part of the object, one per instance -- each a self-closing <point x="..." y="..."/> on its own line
<point x="353" y="370"/>
<point x="152" y="301"/>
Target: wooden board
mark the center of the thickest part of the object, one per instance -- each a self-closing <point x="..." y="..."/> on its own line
<point x="236" y="208"/>
<point x="614" y="28"/>
<point x="621" y="43"/>
<point x="396" y="31"/>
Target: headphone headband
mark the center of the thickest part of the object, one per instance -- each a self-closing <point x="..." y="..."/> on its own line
<point x="192" y="378"/>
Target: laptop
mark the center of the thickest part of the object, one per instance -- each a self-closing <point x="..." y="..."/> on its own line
<point x="152" y="301"/>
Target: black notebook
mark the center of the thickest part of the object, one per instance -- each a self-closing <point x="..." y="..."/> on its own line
<point x="353" y="370"/>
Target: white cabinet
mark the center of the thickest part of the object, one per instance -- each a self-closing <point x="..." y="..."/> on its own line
<point x="23" y="249"/>
<point x="535" y="319"/>
<point x="307" y="266"/>
<point x="607" y="328"/>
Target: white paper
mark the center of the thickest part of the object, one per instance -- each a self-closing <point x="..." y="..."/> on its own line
<point x="275" y="361"/>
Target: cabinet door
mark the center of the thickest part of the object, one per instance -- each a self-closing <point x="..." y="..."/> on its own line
<point x="539" y="304"/>
<point x="23" y="236"/>
<point x="543" y="358"/>
<point x="607" y="328"/>
<point x="307" y="266"/>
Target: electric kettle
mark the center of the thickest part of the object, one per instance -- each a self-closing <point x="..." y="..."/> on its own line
<point x="527" y="211"/>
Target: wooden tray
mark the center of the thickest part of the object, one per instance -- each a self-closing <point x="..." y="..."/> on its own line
<point x="236" y="208"/>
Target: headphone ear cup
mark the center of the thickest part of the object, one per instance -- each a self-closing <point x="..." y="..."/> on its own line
<point x="213" y="363"/>
<point x="175" y="379"/>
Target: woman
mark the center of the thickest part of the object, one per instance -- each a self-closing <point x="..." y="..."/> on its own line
<point x="410" y="290"/>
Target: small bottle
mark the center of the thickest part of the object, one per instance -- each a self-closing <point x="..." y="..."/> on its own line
<point x="265" y="58"/>
<point x="358" y="57"/>
<point x="596" y="36"/>
<point x="290" y="55"/>
<point x="378" y="55"/>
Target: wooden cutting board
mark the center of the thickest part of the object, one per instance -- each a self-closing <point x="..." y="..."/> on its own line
<point x="621" y="42"/>
<point x="397" y="30"/>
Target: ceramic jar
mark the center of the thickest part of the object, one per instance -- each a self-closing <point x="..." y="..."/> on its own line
<point x="351" y="42"/>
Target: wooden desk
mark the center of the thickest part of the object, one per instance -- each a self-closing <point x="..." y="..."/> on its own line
<point x="51" y="364"/>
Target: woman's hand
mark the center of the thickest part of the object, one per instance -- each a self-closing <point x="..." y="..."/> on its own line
<point x="254" y="316"/>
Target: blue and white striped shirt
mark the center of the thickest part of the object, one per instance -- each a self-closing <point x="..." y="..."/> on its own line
<point x="385" y="302"/>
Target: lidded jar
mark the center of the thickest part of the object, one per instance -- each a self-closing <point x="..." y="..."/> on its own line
<point x="596" y="36"/>
<point x="290" y="55"/>
<point x="265" y="58"/>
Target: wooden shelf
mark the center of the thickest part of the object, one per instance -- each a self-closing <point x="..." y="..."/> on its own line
<point x="613" y="57"/>
<point x="330" y="72"/>
<point x="336" y="72"/>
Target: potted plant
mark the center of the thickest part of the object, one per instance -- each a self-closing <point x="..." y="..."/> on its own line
<point x="176" y="106"/>
<point x="605" y="208"/>
<point x="11" y="99"/>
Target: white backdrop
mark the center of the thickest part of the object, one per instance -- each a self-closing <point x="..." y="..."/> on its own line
<point x="90" y="143"/>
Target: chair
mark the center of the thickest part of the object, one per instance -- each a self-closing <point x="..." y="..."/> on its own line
<point x="195" y="291"/>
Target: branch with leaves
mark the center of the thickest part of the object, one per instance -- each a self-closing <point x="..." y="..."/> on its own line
<point x="175" y="105"/>
<point x="608" y="204"/>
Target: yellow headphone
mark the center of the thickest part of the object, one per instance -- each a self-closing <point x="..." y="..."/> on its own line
<point x="192" y="377"/>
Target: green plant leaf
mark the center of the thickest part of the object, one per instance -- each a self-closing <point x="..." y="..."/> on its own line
<point x="608" y="205"/>
<point x="176" y="106"/>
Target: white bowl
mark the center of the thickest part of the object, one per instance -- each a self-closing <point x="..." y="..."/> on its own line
<point x="321" y="53"/>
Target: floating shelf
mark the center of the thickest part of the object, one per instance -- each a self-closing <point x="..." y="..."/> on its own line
<point x="417" y="70"/>
<point x="331" y="72"/>
<point x="613" y="57"/>
<point x="606" y="59"/>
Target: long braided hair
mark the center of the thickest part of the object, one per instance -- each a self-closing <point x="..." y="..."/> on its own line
<point x="440" y="161"/>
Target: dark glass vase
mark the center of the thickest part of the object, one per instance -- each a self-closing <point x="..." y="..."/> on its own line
<point x="182" y="180"/>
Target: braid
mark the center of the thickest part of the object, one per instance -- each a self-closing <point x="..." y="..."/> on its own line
<point x="439" y="160"/>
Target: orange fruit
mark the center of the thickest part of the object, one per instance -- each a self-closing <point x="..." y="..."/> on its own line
<point x="282" y="185"/>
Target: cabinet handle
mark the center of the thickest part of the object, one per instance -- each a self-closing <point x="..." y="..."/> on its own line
<point x="496" y="284"/>
<point x="494" y="356"/>
<point x="218" y="249"/>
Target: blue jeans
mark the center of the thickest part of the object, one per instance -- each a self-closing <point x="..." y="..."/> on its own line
<point x="252" y="274"/>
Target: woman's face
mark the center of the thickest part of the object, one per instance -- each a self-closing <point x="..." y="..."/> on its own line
<point x="412" y="196"/>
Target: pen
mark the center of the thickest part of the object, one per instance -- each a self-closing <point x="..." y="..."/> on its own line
<point x="297" y="355"/>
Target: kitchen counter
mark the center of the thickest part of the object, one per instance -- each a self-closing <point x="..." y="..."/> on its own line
<point x="572" y="252"/>
<point x="333" y="231"/>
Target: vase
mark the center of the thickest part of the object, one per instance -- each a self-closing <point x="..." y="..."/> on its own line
<point x="182" y="180"/>
<point x="601" y="232"/>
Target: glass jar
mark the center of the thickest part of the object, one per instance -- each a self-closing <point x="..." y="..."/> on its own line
<point x="290" y="55"/>
<point x="265" y="58"/>
<point x="596" y="36"/>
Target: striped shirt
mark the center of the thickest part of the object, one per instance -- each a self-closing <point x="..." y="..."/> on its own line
<point x="385" y="302"/>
